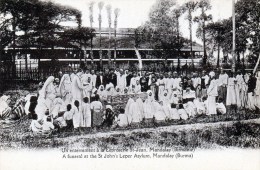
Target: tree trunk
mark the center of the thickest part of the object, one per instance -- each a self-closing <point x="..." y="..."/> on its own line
<point x="218" y="54"/>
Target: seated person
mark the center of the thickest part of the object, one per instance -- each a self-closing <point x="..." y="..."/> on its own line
<point x="221" y="108"/>
<point x="35" y="126"/>
<point x="47" y="126"/>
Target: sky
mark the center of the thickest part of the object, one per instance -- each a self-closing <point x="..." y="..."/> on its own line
<point x="134" y="13"/>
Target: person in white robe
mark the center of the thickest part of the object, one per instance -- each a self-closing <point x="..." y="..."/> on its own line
<point x="212" y="93"/>
<point x="135" y="113"/>
<point x="93" y="78"/>
<point x="161" y="87"/>
<point x="102" y="93"/>
<point x="121" y="79"/>
<point x="159" y="114"/>
<point x="65" y="89"/>
<point x="58" y="104"/>
<point x="237" y="93"/>
<point x="221" y="108"/>
<point x="86" y="114"/>
<point x="86" y="82"/>
<point x="76" y="110"/>
<point x="77" y="88"/>
<point x="181" y="111"/>
<point x="231" y="93"/>
<point x="48" y="90"/>
<point x="36" y="125"/>
<point x="117" y="91"/>
<point x="140" y="103"/>
<point x="189" y="108"/>
<point x="174" y="115"/>
<point x="121" y="120"/>
<point x="149" y="107"/>
<point x="127" y="110"/>
<point x="201" y="109"/>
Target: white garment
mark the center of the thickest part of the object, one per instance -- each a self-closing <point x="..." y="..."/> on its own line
<point x="76" y="116"/>
<point x="231" y="93"/>
<point x="86" y="115"/>
<point x="221" y="108"/>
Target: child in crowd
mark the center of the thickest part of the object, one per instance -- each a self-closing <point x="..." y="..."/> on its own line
<point x="68" y="116"/>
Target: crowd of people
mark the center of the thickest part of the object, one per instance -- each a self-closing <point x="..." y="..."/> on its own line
<point x="83" y="99"/>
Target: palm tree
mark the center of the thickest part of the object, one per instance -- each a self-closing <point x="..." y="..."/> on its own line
<point x="100" y="7"/>
<point x="116" y="12"/>
<point x="109" y="10"/>
<point x="91" y="20"/>
<point x="204" y="5"/>
<point x="190" y="7"/>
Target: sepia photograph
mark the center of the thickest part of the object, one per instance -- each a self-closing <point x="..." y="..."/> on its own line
<point x="130" y="84"/>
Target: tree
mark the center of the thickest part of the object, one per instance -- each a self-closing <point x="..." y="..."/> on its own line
<point x="214" y="32"/>
<point x="176" y="13"/>
<point x="100" y="7"/>
<point x="91" y="20"/>
<point x="116" y="13"/>
<point x="204" y="5"/>
<point x="190" y="7"/>
<point x="109" y="11"/>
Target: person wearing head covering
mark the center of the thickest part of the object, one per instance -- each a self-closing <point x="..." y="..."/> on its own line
<point x="102" y="93"/>
<point x="93" y="78"/>
<point x="77" y="88"/>
<point x="140" y="103"/>
<point x="149" y="107"/>
<point x="166" y="98"/>
<point x="48" y="89"/>
<point x="127" y="110"/>
<point x="35" y="125"/>
<point x="117" y="91"/>
<point x="212" y="93"/>
<point x="65" y="89"/>
<point x="196" y="82"/>
<point x="190" y="109"/>
<point x="93" y="95"/>
<point x="159" y="114"/>
<point x="135" y="113"/>
<point x="86" y="113"/>
<point x="96" y="108"/>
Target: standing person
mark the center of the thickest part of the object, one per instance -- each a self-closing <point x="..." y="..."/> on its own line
<point x="65" y="89"/>
<point x="106" y="77"/>
<point x="76" y="112"/>
<point x="86" y="114"/>
<point x="99" y="80"/>
<point x="48" y="89"/>
<point x="68" y="117"/>
<point x="161" y="85"/>
<point x="77" y="88"/>
<point x="196" y="82"/>
<point x="144" y="82"/>
<point x="231" y="93"/>
<point x="128" y="78"/>
<point x="96" y="109"/>
<point x="223" y="82"/>
<point x="153" y="85"/>
<point x="93" y="78"/>
<point x="212" y="93"/>
<point x="251" y="92"/>
<point x="102" y="93"/>
<point x="204" y="83"/>
<point x="113" y="77"/>
<point x="121" y="79"/>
